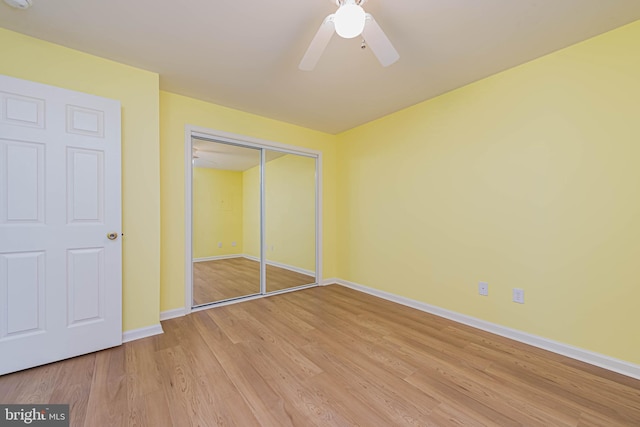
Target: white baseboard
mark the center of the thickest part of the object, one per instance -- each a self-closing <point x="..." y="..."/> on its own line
<point x="217" y="257"/>
<point x="597" y="359"/>
<point x="280" y="265"/>
<point x="331" y="281"/>
<point x="172" y="314"/>
<point x="137" y="334"/>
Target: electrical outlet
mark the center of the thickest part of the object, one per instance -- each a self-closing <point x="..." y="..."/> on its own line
<point x="518" y="295"/>
<point x="483" y="289"/>
<point x="219" y="244"/>
<point x="233" y="243"/>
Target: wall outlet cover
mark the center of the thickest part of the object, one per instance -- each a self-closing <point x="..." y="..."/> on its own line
<point x="483" y="289"/>
<point x="518" y="295"/>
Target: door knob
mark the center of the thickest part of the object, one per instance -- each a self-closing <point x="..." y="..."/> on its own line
<point x="112" y="235"/>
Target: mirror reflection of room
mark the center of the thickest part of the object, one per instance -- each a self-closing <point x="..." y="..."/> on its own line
<point x="220" y="272"/>
<point x="227" y="223"/>
<point x="290" y="222"/>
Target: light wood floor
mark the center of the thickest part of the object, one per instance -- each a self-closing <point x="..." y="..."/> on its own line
<point x="327" y="356"/>
<point x="235" y="277"/>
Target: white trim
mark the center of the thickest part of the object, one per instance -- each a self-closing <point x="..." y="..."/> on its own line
<point x="171" y="314"/>
<point x="140" y="333"/>
<point x="228" y="302"/>
<point x="263" y="222"/>
<point x="597" y="359"/>
<point x="330" y="281"/>
<point x="188" y="219"/>
<point x="234" y="138"/>
<point x="319" y="216"/>
<point x="218" y="257"/>
<point x="284" y="266"/>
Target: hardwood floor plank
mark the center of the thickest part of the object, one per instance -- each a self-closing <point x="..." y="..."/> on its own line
<point x="266" y="404"/>
<point x="285" y="379"/>
<point x="144" y="375"/>
<point x="226" y="409"/>
<point x="37" y="386"/>
<point x="151" y="409"/>
<point x="271" y="338"/>
<point x="180" y="389"/>
<point x="401" y="402"/>
<point x="339" y="394"/>
<point x="107" y="403"/>
<point x="73" y="386"/>
<point x="567" y="384"/>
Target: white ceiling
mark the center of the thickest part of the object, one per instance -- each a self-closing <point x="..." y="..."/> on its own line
<point x="245" y="55"/>
<point x="217" y="155"/>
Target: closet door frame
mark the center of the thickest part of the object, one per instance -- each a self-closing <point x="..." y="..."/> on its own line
<point x="219" y="136"/>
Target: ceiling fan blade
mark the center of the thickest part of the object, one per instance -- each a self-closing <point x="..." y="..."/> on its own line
<point x="379" y="43"/>
<point x="318" y="44"/>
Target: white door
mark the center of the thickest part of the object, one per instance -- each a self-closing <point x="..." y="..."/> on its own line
<point x="60" y="274"/>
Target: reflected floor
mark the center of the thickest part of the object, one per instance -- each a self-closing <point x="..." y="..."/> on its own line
<point x="234" y="277"/>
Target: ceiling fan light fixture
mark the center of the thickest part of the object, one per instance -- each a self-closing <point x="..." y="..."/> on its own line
<point x="19" y="4"/>
<point x="349" y="20"/>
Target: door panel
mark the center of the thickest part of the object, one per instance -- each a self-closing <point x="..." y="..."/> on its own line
<point x="85" y="186"/>
<point x="22" y="281"/>
<point x="225" y="222"/>
<point x="22" y="110"/>
<point x="60" y="194"/>
<point x="22" y="186"/>
<point x="85" y="285"/>
<point x="290" y="220"/>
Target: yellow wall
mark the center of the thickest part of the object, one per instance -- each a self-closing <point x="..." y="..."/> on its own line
<point x="289" y="212"/>
<point x="525" y="179"/>
<point x="251" y="217"/>
<point x="175" y="112"/>
<point x="137" y="90"/>
<point x="217" y="212"/>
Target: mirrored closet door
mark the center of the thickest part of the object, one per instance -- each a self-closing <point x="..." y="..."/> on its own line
<point x="254" y="221"/>
<point x="290" y="221"/>
<point x="225" y="221"/>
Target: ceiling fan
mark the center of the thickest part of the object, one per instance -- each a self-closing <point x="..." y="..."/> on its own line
<point x="350" y="21"/>
<point x="202" y="158"/>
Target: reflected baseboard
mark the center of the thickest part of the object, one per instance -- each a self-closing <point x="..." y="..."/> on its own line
<point x="281" y="265"/>
<point x="254" y="258"/>
<point x="215" y="258"/>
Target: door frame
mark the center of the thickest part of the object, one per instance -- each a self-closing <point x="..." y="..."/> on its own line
<point x="191" y="131"/>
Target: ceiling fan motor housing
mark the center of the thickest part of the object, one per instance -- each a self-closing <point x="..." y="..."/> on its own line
<point x="19" y="4"/>
<point x="342" y="2"/>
